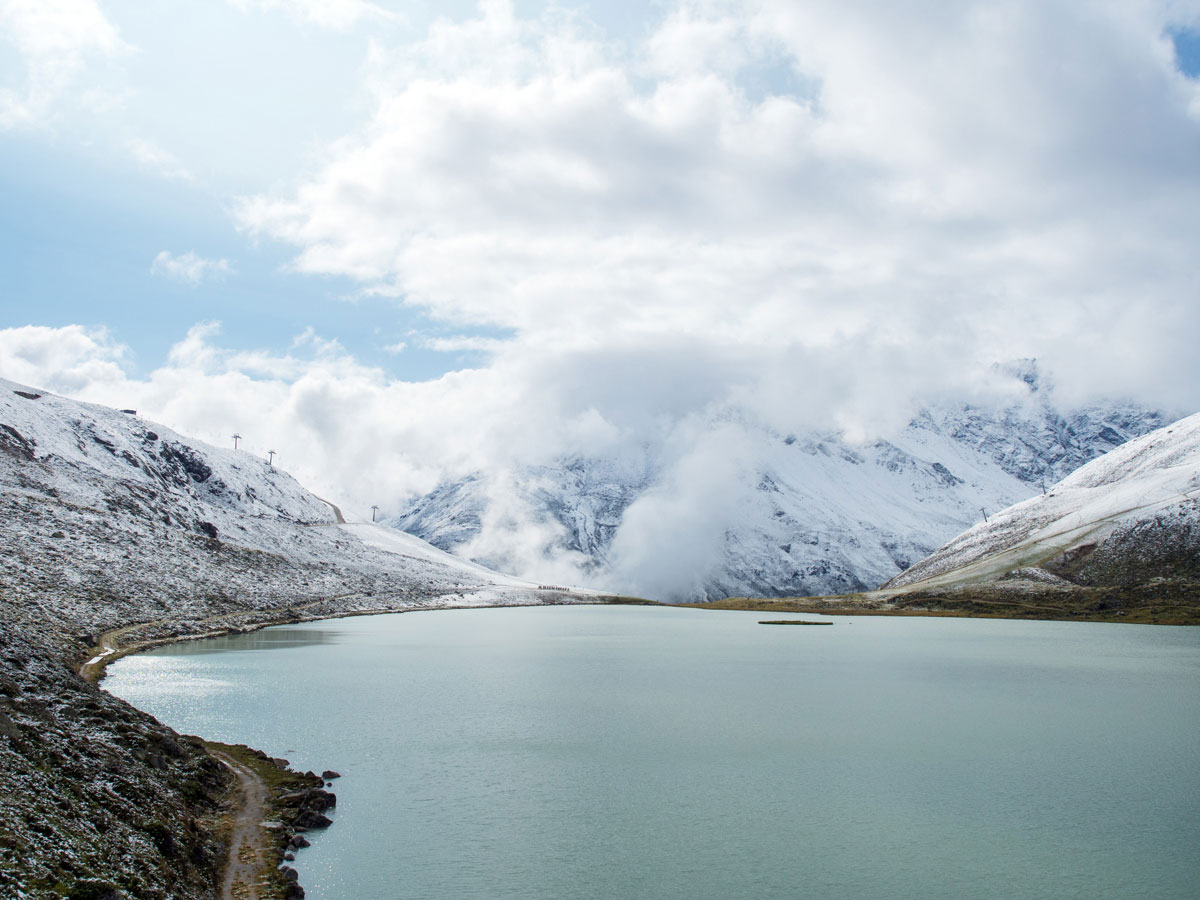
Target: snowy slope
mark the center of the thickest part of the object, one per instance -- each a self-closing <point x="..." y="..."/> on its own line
<point x="118" y="534"/>
<point x="809" y="514"/>
<point x="1137" y="494"/>
<point x="204" y="483"/>
<point x="106" y="516"/>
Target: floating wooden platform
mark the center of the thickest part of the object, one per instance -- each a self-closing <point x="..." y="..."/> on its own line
<point x="791" y="622"/>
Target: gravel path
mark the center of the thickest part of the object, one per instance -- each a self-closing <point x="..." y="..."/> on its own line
<point x="247" y="854"/>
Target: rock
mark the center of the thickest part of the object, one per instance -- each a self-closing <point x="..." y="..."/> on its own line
<point x="312" y="819"/>
<point x="289" y="873"/>
<point x="329" y="774"/>
<point x="289" y="856"/>
<point x="8" y="728"/>
<point x="309" y="798"/>
<point x="94" y="889"/>
<point x="279" y="761"/>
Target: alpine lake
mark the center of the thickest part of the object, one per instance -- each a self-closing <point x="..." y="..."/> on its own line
<point x="644" y="752"/>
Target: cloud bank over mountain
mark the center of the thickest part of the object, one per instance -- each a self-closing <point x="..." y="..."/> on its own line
<point x="809" y="216"/>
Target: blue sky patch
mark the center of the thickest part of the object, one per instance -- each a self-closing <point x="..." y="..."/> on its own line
<point x="1187" y="51"/>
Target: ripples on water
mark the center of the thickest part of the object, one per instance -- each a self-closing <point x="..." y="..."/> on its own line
<point x="603" y="752"/>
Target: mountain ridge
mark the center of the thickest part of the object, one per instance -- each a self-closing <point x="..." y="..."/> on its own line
<point x="120" y="534"/>
<point x="1153" y="480"/>
<point x="817" y="514"/>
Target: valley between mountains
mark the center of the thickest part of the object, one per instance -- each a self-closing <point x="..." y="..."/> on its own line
<point x="120" y="534"/>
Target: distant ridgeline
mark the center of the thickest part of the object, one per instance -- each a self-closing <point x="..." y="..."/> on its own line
<point x="824" y="516"/>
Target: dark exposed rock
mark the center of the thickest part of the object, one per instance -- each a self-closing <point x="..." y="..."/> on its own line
<point x="329" y="774"/>
<point x="309" y="798"/>
<point x="7" y="727"/>
<point x="184" y="461"/>
<point x="14" y="443"/>
<point x="311" y="819"/>
<point x="94" y="889"/>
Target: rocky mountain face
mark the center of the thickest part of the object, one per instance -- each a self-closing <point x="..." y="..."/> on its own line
<point x="811" y="514"/>
<point x="113" y="524"/>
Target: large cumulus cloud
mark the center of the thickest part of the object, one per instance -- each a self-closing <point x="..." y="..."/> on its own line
<point x="806" y="215"/>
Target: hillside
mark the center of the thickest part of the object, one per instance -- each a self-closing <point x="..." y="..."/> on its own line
<point x="1118" y="540"/>
<point x="1130" y="515"/>
<point x="119" y="527"/>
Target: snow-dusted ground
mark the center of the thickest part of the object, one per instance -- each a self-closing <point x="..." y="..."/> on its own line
<point x="1155" y="478"/>
<point x="99" y="503"/>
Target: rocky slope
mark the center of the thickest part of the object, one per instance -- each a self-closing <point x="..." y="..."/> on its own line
<point x="816" y="514"/>
<point x="109" y="522"/>
<point x="1118" y="540"/>
<point x="1129" y="517"/>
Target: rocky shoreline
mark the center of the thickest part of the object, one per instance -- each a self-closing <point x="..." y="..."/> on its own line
<point x="100" y="801"/>
<point x="112" y="545"/>
<point x="296" y="803"/>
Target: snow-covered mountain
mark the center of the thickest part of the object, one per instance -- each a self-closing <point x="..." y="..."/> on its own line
<point x="97" y="503"/>
<point x="1129" y="516"/>
<point x="803" y="514"/>
<point x="119" y="533"/>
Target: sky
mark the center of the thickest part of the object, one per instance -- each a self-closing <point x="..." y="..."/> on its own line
<point x="402" y="242"/>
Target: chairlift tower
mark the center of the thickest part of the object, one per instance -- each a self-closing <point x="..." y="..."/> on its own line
<point x="271" y="458"/>
<point x="373" y="509"/>
<point x="236" y="438"/>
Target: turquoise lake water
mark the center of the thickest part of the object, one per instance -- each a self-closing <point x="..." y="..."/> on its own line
<point x="633" y="752"/>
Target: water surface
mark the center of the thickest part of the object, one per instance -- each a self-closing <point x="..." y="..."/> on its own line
<point x="632" y="752"/>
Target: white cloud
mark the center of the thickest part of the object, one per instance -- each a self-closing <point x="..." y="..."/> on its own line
<point x="72" y="360"/>
<point x="806" y="215"/>
<point x="54" y="39"/>
<point x="358" y="437"/>
<point x="190" y="268"/>
<point x="337" y="14"/>
<point x="951" y="187"/>
<point x="463" y="343"/>
<point x="153" y="157"/>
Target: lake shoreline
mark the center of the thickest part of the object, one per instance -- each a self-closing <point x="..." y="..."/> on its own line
<point x="160" y="633"/>
<point x="1154" y="603"/>
<point x="278" y="820"/>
